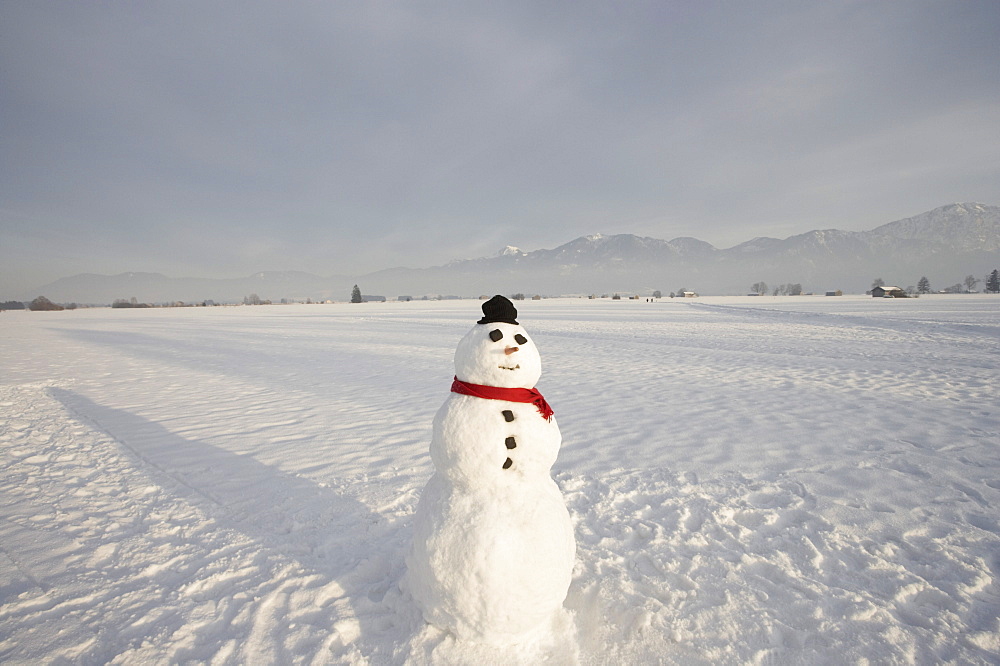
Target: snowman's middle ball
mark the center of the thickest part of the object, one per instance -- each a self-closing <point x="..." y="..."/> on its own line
<point x="498" y="354"/>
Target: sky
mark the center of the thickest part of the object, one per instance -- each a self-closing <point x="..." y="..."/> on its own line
<point x="218" y="139"/>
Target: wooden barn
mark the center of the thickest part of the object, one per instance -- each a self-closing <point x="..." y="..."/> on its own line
<point x="888" y="292"/>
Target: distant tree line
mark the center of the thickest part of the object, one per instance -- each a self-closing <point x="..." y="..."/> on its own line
<point x="130" y="303"/>
<point x="40" y="304"/>
<point x="923" y="286"/>
<point x="991" y="285"/>
<point x="789" y="289"/>
<point x="43" y="304"/>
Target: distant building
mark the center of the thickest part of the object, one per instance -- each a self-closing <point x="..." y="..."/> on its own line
<point x="835" y="293"/>
<point x="888" y="292"/>
<point x="689" y="294"/>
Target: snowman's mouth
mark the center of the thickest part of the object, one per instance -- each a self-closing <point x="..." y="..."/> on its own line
<point x="505" y="367"/>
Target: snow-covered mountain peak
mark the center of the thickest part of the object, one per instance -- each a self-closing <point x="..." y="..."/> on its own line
<point x="964" y="208"/>
<point x="965" y="226"/>
<point x="511" y="251"/>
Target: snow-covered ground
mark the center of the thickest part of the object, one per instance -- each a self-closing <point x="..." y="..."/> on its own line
<point x="752" y="480"/>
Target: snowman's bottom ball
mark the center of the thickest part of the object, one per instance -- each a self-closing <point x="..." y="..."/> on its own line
<point x="490" y="566"/>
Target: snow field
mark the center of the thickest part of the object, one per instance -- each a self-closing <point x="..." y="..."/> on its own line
<point x="757" y="480"/>
<point x="136" y="556"/>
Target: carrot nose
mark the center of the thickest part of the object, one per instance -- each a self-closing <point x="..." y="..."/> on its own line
<point x="509" y="350"/>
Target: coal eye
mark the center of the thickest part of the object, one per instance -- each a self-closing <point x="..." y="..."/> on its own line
<point x="520" y="339"/>
<point x="496" y="334"/>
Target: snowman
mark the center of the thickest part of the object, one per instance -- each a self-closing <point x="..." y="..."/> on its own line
<point x="493" y="546"/>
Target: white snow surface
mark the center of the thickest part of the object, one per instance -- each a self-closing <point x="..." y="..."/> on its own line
<point x="751" y="480"/>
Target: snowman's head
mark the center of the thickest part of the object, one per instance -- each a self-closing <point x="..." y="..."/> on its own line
<point x="497" y="351"/>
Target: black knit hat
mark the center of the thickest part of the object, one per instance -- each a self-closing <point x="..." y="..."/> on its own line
<point x="498" y="309"/>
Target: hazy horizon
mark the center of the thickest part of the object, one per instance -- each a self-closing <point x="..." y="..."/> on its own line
<point x="224" y="139"/>
<point x="382" y="268"/>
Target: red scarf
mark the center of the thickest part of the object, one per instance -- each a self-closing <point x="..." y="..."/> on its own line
<point x="508" y="394"/>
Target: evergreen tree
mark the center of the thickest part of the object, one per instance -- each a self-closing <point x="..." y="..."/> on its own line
<point x="924" y="285"/>
<point x="993" y="282"/>
<point x="356" y="295"/>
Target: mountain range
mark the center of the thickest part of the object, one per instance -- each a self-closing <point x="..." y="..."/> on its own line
<point x="945" y="245"/>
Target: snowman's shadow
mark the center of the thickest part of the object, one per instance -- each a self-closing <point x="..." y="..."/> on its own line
<point x="337" y="540"/>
